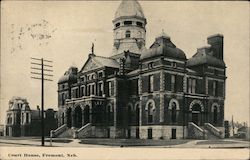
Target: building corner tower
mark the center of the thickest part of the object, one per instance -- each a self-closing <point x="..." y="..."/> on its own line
<point x="129" y="28"/>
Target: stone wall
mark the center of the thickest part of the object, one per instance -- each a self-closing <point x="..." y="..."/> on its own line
<point x="163" y="132"/>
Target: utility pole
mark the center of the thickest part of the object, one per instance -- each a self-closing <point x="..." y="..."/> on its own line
<point x="39" y="63"/>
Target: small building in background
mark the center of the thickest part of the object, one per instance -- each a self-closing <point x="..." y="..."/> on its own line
<point x="243" y="132"/>
<point x="23" y="121"/>
<point x="1" y="130"/>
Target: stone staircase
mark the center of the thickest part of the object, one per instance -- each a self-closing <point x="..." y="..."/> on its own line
<point x="208" y="131"/>
<point x="84" y="132"/>
<point x="69" y="133"/>
<point x="65" y="132"/>
<point x="195" y="132"/>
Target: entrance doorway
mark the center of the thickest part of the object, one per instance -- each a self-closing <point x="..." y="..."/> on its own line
<point x="68" y="114"/>
<point x="195" y="118"/>
<point x="78" y="117"/>
<point x="86" y="115"/>
<point x="196" y="114"/>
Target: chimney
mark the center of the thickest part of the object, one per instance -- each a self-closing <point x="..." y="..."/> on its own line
<point x="216" y="42"/>
<point x="73" y="70"/>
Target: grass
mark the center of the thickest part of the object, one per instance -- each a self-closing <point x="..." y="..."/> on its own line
<point x="133" y="142"/>
<point x="215" y="142"/>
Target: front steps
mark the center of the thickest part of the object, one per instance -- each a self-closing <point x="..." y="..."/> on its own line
<point x="65" y="132"/>
<point x="208" y="131"/>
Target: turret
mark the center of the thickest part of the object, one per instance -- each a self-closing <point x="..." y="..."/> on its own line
<point x="129" y="28"/>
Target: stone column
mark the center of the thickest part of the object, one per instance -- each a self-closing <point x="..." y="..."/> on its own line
<point x="72" y="118"/>
<point x="90" y="112"/>
<point x="162" y="82"/>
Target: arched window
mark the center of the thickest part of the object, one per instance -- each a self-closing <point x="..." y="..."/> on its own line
<point x="173" y="112"/>
<point x="63" y="99"/>
<point x="150" y="112"/>
<point x="127" y="34"/>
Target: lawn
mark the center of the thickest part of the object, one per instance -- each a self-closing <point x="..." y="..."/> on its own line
<point x="133" y="142"/>
<point x="215" y="142"/>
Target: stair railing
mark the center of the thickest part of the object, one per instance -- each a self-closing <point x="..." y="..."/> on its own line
<point x="78" y="133"/>
<point x="58" y="131"/>
<point x="214" y="130"/>
<point x="195" y="131"/>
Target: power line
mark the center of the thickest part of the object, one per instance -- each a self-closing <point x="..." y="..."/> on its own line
<point x="42" y="78"/>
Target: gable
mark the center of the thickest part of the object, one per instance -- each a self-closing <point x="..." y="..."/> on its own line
<point x="90" y="65"/>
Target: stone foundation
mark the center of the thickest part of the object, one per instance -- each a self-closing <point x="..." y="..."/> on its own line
<point x="163" y="132"/>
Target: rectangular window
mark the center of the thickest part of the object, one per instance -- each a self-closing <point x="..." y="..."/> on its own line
<point x="27" y="117"/>
<point x="127" y="22"/>
<point x="191" y="85"/>
<point x="82" y="91"/>
<point x="137" y="87"/>
<point x="110" y="88"/>
<point x="151" y="83"/>
<point x="215" y="88"/>
<point x="173" y="86"/>
<point x="100" y="89"/>
<point x="88" y="90"/>
<point x="77" y="92"/>
<point x="92" y="89"/>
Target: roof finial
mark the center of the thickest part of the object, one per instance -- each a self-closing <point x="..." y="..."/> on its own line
<point x="92" y="48"/>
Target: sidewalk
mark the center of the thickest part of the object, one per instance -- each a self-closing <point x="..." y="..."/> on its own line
<point x="104" y="143"/>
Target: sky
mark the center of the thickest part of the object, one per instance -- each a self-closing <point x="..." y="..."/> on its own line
<point x="63" y="31"/>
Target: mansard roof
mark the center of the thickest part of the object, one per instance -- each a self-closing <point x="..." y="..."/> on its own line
<point x="204" y="55"/>
<point x="69" y="76"/>
<point x="163" y="47"/>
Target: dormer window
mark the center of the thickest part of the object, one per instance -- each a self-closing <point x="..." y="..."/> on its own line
<point x="174" y="65"/>
<point x="127" y="22"/>
<point x="150" y="65"/>
<point x="117" y="24"/>
<point x="100" y="74"/>
<point x="139" y="24"/>
<point x="128" y="34"/>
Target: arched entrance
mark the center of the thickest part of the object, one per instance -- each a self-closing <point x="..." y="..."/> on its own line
<point x="78" y="117"/>
<point x="86" y="115"/>
<point x="68" y="114"/>
<point x="196" y="114"/>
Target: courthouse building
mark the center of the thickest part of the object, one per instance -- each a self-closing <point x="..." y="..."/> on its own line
<point x="140" y="92"/>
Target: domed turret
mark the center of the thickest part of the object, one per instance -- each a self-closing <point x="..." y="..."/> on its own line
<point x="163" y="47"/>
<point x="129" y="28"/>
<point x="129" y="8"/>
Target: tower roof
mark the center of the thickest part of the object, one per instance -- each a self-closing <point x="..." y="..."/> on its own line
<point x="129" y="8"/>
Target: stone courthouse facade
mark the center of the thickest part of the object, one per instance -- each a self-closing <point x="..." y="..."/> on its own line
<point x="144" y="93"/>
